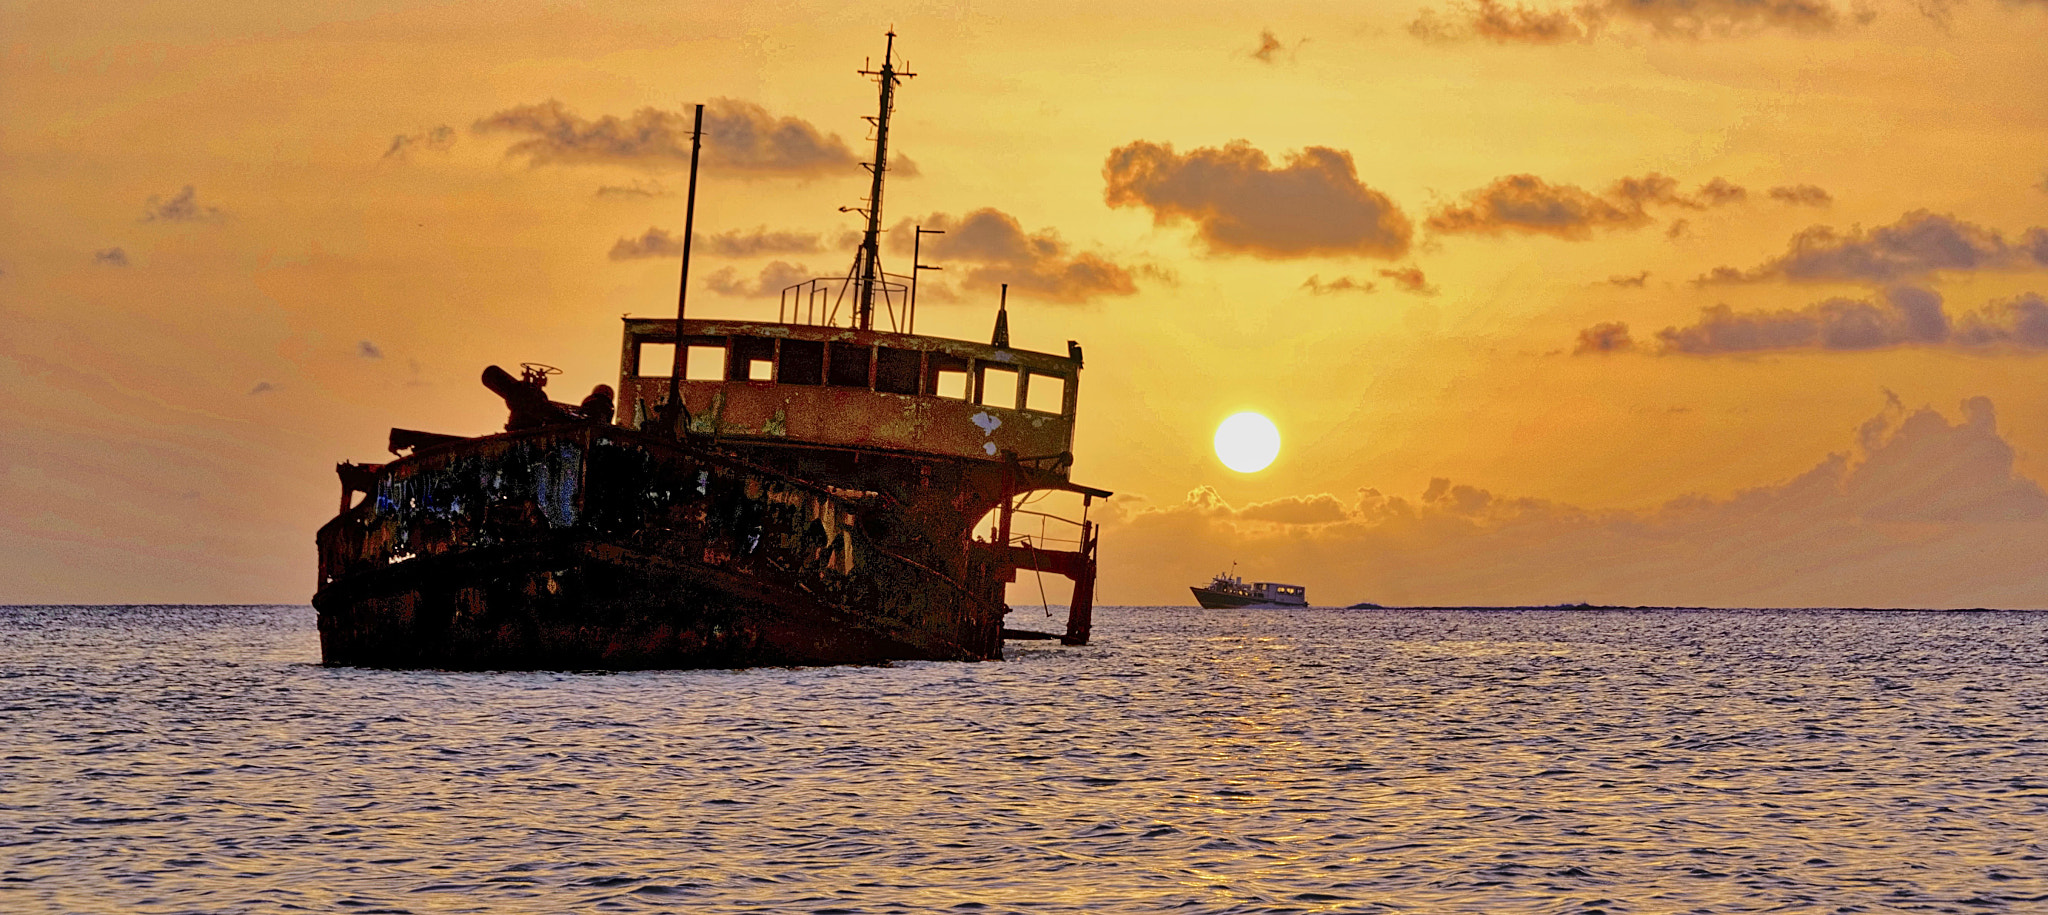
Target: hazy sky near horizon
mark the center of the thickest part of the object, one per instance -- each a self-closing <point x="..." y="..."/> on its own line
<point x="1733" y="302"/>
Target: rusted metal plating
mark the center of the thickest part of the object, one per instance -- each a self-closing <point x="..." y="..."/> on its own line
<point x="786" y="393"/>
<point x="589" y="546"/>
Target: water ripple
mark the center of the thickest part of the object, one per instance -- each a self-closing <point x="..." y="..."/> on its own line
<point x="192" y="759"/>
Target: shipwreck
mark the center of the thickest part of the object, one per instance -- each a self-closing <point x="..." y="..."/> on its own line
<point x="795" y="492"/>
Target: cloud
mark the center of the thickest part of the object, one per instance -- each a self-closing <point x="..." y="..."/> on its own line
<point x="736" y="243"/>
<point x="653" y="243"/>
<point x="110" y="257"/>
<point x="1501" y="24"/>
<point x="182" y="207"/>
<point x="1410" y="279"/>
<point x="997" y="249"/>
<point x="759" y="242"/>
<point x="1721" y="192"/>
<point x="1920" y="244"/>
<point x="635" y="188"/>
<point x="1321" y="508"/>
<point x="262" y="387"/>
<point x="1240" y="203"/>
<point x="1902" y="316"/>
<point x="1607" y="337"/>
<point x="368" y="350"/>
<point x="2020" y="321"/>
<point x="774" y="278"/>
<point x="1801" y="195"/>
<point x="1918" y="467"/>
<point x="1680" y="228"/>
<point x="1723" y="18"/>
<point x="1656" y="188"/>
<point x="1918" y="510"/>
<point x="1528" y="204"/>
<point x="1635" y="280"/>
<point x="739" y="138"/>
<point x="1513" y="23"/>
<point x="1315" y="285"/>
<point x="437" y="139"/>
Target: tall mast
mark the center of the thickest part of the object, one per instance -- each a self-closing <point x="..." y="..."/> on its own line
<point x="674" y="406"/>
<point x="871" y="244"/>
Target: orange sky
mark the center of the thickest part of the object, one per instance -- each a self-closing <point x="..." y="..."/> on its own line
<point x="238" y="241"/>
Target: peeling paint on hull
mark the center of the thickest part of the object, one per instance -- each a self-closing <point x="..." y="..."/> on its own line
<point x="590" y="607"/>
<point x="591" y="547"/>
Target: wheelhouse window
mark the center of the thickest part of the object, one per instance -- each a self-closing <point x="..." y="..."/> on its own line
<point x="1045" y="393"/>
<point x="850" y="365"/>
<point x="705" y="363"/>
<point x="654" y="360"/>
<point x="946" y="376"/>
<point x="897" y="370"/>
<point x="704" y="359"/>
<point x="998" y="387"/>
<point x="752" y="359"/>
<point x="803" y="362"/>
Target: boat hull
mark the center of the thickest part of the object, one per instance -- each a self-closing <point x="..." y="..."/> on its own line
<point x="591" y="605"/>
<point x="1218" y="600"/>
<point x="591" y="548"/>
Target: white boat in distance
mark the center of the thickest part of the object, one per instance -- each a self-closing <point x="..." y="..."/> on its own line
<point x="1228" y="590"/>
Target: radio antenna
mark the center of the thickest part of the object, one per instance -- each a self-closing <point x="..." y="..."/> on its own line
<point x="869" y="258"/>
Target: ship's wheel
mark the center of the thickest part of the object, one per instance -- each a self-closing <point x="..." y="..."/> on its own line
<point x="536" y="373"/>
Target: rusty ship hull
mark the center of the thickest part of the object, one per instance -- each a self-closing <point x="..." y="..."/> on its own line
<point x="589" y="546"/>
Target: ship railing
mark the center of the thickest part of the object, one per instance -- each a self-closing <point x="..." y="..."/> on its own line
<point x="996" y="530"/>
<point x="1018" y="551"/>
<point x="1043" y="538"/>
<point x="820" y="301"/>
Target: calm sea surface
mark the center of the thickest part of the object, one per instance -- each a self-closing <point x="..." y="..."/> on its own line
<point x="198" y="759"/>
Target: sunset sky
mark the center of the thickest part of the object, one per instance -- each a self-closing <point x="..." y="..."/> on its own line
<point x="1696" y="302"/>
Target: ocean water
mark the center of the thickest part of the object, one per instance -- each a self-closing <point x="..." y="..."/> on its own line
<point x="198" y="759"/>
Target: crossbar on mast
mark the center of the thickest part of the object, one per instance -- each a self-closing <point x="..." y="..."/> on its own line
<point x="871" y="244"/>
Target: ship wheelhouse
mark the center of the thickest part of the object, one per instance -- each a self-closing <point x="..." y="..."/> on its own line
<point x="760" y="382"/>
<point x="944" y="433"/>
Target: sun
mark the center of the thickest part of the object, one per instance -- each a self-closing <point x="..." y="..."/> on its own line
<point x="1247" y="442"/>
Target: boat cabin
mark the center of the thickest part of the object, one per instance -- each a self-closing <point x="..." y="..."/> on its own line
<point x="840" y="386"/>
<point x="1274" y="592"/>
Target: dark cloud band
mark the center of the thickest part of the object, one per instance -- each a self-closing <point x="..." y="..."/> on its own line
<point x="1526" y="204"/>
<point x="1902" y="316"/>
<point x="740" y="137"/>
<point x="1239" y="202"/>
<point x="1919" y="244"/>
<point x="774" y="278"/>
<point x="738" y="243"/>
<point x="1514" y="23"/>
<point x="994" y="248"/>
